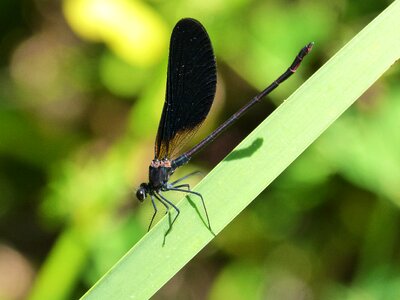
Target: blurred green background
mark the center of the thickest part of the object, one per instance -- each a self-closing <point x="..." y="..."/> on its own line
<point x="82" y="84"/>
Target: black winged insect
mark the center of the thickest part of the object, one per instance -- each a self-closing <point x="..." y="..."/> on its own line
<point x="191" y="86"/>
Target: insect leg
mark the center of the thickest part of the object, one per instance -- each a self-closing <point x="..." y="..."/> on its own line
<point x="162" y="199"/>
<point x="184" y="177"/>
<point x="155" y="212"/>
<point x="186" y="185"/>
<point x="197" y="194"/>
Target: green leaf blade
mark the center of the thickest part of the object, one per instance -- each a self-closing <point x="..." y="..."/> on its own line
<point x="235" y="182"/>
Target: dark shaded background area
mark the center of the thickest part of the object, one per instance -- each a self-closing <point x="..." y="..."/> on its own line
<point x="81" y="90"/>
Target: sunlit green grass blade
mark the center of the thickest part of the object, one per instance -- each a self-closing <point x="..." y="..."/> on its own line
<point x="257" y="161"/>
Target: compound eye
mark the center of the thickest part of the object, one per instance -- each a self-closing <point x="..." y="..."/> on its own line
<point x="141" y="194"/>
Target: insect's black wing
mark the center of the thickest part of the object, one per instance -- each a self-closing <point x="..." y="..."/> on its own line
<point x="191" y="85"/>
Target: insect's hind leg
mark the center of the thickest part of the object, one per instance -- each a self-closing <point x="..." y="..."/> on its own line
<point x="197" y="194"/>
<point x="186" y="185"/>
<point x="184" y="177"/>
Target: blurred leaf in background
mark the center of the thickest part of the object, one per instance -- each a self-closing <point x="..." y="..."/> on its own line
<point x="82" y="84"/>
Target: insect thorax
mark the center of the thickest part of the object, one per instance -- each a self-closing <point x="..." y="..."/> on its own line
<point x="159" y="172"/>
